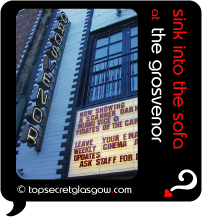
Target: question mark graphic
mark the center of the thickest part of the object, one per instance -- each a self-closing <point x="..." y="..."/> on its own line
<point x="185" y="187"/>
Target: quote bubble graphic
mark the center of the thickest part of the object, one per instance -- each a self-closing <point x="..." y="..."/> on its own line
<point x="18" y="206"/>
<point x="167" y="193"/>
<point x="185" y="187"/>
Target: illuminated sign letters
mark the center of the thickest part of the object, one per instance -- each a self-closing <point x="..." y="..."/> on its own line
<point x="105" y="139"/>
<point x="56" y="38"/>
<point x="35" y="115"/>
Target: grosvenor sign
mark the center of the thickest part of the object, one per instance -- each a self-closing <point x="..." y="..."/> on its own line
<point x="105" y="139"/>
<point x="35" y="115"/>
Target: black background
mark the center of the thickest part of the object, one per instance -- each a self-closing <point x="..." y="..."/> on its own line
<point x="159" y="163"/>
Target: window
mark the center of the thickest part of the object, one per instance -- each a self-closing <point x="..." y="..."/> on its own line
<point x="113" y="69"/>
<point x="134" y="58"/>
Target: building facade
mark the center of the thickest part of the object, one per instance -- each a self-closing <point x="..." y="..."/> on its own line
<point x="80" y="115"/>
<point x="26" y="21"/>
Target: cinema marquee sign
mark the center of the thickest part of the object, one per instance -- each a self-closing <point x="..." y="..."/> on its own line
<point x="105" y="139"/>
<point x="35" y="115"/>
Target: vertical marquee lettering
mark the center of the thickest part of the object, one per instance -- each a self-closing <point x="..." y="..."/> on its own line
<point x="56" y="40"/>
<point x="29" y="135"/>
<point x="32" y="135"/>
<point x="34" y="114"/>
<point x="43" y="80"/>
<point x="46" y="79"/>
<point x="42" y="101"/>
<point x="37" y="115"/>
<point x="55" y="51"/>
<point x="38" y="97"/>
<point x="63" y="17"/>
<point x="62" y="28"/>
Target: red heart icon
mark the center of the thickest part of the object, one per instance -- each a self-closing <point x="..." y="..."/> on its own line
<point x="167" y="193"/>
